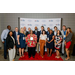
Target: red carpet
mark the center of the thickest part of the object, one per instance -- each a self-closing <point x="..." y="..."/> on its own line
<point x="38" y="57"/>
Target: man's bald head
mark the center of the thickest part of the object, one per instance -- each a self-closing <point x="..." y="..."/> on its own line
<point x="35" y="28"/>
<point x="9" y="27"/>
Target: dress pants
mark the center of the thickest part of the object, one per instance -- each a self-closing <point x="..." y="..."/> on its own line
<point x="31" y="51"/>
<point x="12" y="53"/>
<point x="37" y="46"/>
<point x="63" y="46"/>
<point x="42" y="44"/>
<point x="5" y="49"/>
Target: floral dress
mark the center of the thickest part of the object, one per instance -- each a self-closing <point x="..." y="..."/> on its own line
<point x="31" y="43"/>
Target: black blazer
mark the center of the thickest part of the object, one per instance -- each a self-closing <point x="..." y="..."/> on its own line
<point x="9" y="42"/>
<point x="38" y="35"/>
<point x="26" y="33"/>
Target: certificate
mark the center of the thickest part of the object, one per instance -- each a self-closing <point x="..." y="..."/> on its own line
<point x="31" y="38"/>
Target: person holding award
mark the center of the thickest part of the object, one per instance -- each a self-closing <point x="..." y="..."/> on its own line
<point x="31" y="41"/>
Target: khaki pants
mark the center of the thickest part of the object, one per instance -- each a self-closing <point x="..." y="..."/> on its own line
<point x="42" y="44"/>
<point x="37" y="47"/>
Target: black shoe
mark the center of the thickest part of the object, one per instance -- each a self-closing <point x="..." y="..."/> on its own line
<point x="17" y="54"/>
<point x="33" y="56"/>
<point x="29" y="56"/>
<point x="5" y="58"/>
<point x="62" y="54"/>
<point x="66" y="55"/>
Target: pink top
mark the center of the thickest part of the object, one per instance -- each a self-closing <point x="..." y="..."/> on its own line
<point x="31" y="43"/>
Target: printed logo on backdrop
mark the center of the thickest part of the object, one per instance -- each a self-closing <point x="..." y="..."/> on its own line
<point x="22" y="20"/>
<point x="22" y="24"/>
<point x="29" y="20"/>
<point x="36" y="24"/>
<point x="50" y="24"/>
<point x="57" y="24"/>
<point x="43" y="24"/>
<point x="43" y="20"/>
<point x="29" y="24"/>
<point x="36" y="20"/>
<point x="50" y="20"/>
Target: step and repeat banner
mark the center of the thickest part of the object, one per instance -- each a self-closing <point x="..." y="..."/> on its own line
<point x="29" y="22"/>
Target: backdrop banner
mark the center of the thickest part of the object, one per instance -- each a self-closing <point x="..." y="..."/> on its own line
<point x="30" y="22"/>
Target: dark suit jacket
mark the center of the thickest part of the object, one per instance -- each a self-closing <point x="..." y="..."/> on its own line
<point x="38" y="35"/>
<point x="14" y="35"/>
<point x="9" y="42"/>
<point x="41" y="32"/>
<point x="26" y="33"/>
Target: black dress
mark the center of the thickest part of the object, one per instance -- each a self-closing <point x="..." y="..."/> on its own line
<point x="50" y="45"/>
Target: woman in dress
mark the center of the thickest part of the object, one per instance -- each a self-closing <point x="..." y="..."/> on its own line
<point x="31" y="41"/>
<point x="21" y="42"/>
<point x="68" y="40"/>
<point x="50" y="42"/>
<point x="58" y="41"/>
<point x="42" y="42"/>
<point x="11" y="46"/>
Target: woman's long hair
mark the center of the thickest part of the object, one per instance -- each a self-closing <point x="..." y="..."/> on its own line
<point x="68" y="32"/>
<point x="21" y="31"/>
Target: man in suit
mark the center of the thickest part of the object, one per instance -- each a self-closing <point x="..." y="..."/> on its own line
<point x="63" y="32"/>
<point x="37" y="33"/>
<point x="29" y="29"/>
<point x="48" y="29"/>
<point x="25" y="32"/>
<point x="15" y="33"/>
<point x="3" y="39"/>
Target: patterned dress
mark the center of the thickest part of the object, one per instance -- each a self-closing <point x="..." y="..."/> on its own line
<point x="58" y="38"/>
<point x="31" y="43"/>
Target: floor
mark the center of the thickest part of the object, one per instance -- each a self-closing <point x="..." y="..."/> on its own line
<point x="72" y="58"/>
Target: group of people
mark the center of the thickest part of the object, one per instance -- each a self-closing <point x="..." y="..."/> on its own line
<point x="19" y="41"/>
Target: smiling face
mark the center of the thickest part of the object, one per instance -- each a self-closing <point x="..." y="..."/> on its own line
<point x="64" y="28"/>
<point x="16" y="29"/>
<point x="11" y="33"/>
<point x="24" y="28"/>
<point x="50" y="31"/>
<point x="35" y="28"/>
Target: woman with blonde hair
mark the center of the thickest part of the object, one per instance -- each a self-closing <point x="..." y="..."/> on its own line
<point x="21" y="42"/>
<point x="68" y="41"/>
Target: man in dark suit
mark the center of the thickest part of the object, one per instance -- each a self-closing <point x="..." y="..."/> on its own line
<point x="25" y="32"/>
<point x="37" y="33"/>
<point x="29" y="29"/>
<point x="15" y="33"/>
<point x="48" y="29"/>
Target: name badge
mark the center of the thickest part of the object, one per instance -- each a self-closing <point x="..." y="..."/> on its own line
<point x="23" y="38"/>
<point x="47" y="38"/>
<point x="31" y="38"/>
<point x="64" y="36"/>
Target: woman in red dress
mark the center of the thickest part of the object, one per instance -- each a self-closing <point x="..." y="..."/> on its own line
<point x="68" y="41"/>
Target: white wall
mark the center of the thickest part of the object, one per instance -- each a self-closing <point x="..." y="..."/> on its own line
<point x="12" y="19"/>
